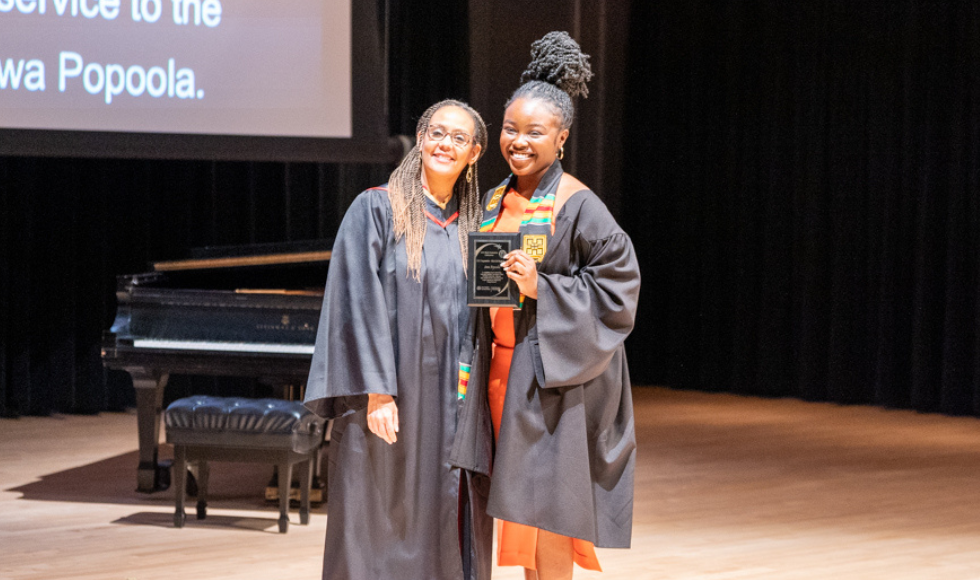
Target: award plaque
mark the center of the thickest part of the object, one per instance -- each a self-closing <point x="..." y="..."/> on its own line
<point x="487" y="283"/>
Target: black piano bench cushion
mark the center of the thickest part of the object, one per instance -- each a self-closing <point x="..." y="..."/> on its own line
<point x="242" y="422"/>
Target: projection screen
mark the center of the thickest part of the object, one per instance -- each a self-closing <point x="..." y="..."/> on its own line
<point x="224" y="79"/>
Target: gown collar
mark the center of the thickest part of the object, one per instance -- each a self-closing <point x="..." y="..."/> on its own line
<point x="439" y="215"/>
<point x="547" y="186"/>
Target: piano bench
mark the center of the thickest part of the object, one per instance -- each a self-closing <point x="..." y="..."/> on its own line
<point x="276" y="431"/>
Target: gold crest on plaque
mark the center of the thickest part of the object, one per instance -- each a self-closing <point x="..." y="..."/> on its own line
<point x="535" y="246"/>
<point x="495" y="199"/>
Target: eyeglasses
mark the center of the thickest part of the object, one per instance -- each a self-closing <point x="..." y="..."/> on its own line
<point x="458" y="138"/>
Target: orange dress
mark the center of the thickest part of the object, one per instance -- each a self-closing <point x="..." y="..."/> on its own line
<point x="517" y="543"/>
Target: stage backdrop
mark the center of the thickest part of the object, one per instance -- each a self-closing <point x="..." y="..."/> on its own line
<point x="803" y="186"/>
<point x="800" y="180"/>
<point x="69" y="226"/>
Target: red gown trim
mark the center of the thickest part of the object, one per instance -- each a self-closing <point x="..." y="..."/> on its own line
<point x="443" y="224"/>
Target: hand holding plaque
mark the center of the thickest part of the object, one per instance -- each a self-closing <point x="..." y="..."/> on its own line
<point x="488" y="284"/>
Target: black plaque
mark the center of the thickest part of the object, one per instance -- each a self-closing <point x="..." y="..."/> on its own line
<point x="487" y="283"/>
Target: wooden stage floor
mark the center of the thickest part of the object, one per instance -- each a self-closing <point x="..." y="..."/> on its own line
<point x="727" y="487"/>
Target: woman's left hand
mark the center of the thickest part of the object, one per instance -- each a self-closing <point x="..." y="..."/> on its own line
<point x="521" y="269"/>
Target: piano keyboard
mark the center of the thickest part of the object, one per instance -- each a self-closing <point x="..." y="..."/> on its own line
<point x="224" y="346"/>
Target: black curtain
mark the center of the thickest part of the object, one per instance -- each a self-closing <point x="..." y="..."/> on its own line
<point x="71" y="225"/>
<point x="68" y="227"/>
<point x="805" y="179"/>
<point x="800" y="183"/>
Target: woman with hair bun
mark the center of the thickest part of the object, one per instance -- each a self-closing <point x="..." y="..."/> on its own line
<point x="385" y="363"/>
<point x="548" y="411"/>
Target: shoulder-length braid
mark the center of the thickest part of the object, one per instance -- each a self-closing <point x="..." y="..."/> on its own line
<point x="408" y="199"/>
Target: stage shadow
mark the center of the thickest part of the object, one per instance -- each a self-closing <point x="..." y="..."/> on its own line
<point x="113" y="480"/>
<point x="215" y="521"/>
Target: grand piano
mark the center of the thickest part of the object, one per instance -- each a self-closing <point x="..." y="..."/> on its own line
<point x="248" y="311"/>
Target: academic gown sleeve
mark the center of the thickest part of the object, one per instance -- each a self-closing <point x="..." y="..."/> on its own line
<point x="354" y="353"/>
<point x="584" y="317"/>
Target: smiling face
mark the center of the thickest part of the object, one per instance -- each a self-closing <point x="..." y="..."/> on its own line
<point x="530" y="138"/>
<point x="445" y="159"/>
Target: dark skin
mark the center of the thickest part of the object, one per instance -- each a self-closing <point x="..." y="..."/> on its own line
<point x="530" y="140"/>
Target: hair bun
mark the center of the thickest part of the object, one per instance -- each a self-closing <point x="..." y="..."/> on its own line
<point x="557" y="59"/>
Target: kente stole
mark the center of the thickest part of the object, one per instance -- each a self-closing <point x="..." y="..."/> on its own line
<point x="536" y="230"/>
<point x="536" y="223"/>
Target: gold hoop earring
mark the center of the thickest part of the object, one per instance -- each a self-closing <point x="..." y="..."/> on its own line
<point x="469" y="174"/>
<point x="561" y="152"/>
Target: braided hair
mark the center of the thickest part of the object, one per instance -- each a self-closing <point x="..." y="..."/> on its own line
<point x="559" y="71"/>
<point x="407" y="197"/>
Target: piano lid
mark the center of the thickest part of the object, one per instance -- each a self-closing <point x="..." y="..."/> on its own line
<point x="267" y="293"/>
<point x="276" y="267"/>
<point x="255" y="255"/>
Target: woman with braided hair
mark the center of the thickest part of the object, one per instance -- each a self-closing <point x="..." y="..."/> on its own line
<point x="385" y="364"/>
<point x="549" y="389"/>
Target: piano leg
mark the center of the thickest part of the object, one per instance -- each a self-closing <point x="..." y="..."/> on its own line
<point x="149" y="383"/>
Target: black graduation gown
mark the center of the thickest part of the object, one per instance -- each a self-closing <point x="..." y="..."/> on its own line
<point x="565" y="455"/>
<point x="393" y="510"/>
